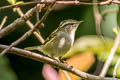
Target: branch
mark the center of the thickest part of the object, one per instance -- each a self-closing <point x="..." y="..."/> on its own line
<point x="23" y="4"/>
<point x="38" y="35"/>
<point x="46" y="14"/>
<point x="98" y="18"/>
<point x="37" y="11"/>
<point x="28" y="33"/>
<point x="66" y="75"/>
<point x="116" y="2"/>
<point x="111" y="55"/>
<point x="116" y="67"/>
<point x="3" y="22"/>
<point x="59" y="2"/>
<point x="48" y="60"/>
<point x="18" y="22"/>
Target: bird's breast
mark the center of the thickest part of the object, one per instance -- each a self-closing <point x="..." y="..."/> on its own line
<point x="61" y="42"/>
<point x="72" y="36"/>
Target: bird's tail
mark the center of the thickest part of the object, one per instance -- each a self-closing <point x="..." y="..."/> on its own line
<point x="34" y="48"/>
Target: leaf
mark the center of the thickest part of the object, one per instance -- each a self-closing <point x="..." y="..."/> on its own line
<point x="19" y="2"/>
<point x="109" y="13"/>
<point x="12" y="2"/>
<point x="110" y="71"/>
<point x="118" y="72"/>
<point x="6" y="73"/>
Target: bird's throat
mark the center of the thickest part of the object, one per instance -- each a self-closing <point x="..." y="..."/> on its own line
<point x="72" y="35"/>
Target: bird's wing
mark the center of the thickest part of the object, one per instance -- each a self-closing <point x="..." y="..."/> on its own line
<point x="52" y="35"/>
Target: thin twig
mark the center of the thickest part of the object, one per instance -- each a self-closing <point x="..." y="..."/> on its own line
<point x="58" y="2"/>
<point x="18" y="22"/>
<point x="37" y="12"/>
<point x="110" y="57"/>
<point x="46" y="14"/>
<point x="66" y="75"/>
<point x="48" y="60"/>
<point x="3" y="22"/>
<point x="116" y="67"/>
<point x="116" y="2"/>
<point x="98" y="18"/>
<point x="24" y="4"/>
<point x="28" y="33"/>
<point x="17" y="42"/>
<point x="107" y="2"/>
<point x="38" y="35"/>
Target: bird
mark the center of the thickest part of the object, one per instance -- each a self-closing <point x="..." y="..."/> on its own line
<point x="60" y="41"/>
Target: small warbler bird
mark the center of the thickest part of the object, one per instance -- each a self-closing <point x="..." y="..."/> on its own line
<point x="60" y="41"/>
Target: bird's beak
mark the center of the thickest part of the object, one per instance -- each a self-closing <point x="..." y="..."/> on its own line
<point x="79" y="22"/>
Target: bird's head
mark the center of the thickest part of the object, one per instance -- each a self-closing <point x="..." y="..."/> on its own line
<point x="70" y="25"/>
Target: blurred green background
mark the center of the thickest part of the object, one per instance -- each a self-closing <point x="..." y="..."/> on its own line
<point x="26" y="69"/>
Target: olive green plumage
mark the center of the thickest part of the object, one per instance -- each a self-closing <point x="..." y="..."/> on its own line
<point x="60" y="41"/>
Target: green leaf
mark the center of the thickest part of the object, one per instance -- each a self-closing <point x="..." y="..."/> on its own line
<point x="12" y="2"/>
<point x="115" y="30"/>
<point x="110" y="71"/>
<point x="6" y="73"/>
<point x="104" y="55"/>
<point x="109" y="13"/>
<point x="118" y="72"/>
<point x="19" y="2"/>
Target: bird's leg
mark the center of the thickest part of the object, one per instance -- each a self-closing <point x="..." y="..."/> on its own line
<point x="55" y="58"/>
<point x="61" y="60"/>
